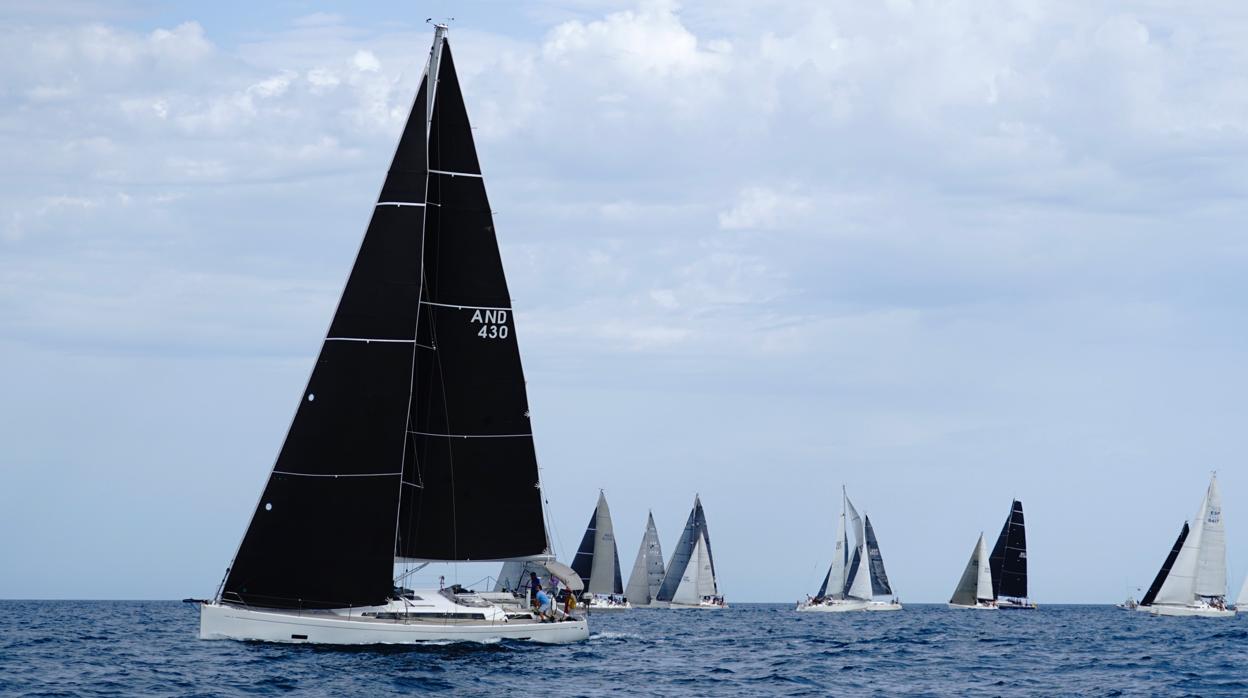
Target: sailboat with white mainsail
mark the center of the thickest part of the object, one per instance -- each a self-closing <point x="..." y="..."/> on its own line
<point x="648" y="571"/>
<point x="853" y="581"/>
<point x="974" y="589"/>
<point x="1195" y="584"/>
<point x="597" y="562"/>
<point x="690" y="580"/>
<point x="412" y="442"/>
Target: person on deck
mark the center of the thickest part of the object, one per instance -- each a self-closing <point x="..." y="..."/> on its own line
<point x="543" y="605"/>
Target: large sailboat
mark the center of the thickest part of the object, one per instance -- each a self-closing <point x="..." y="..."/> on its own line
<point x="1195" y="584"/>
<point x="597" y="562"/>
<point x="648" y="572"/>
<point x="853" y="582"/>
<point x="690" y="580"/>
<point x="1008" y="562"/>
<point x="1150" y="596"/>
<point x="412" y="442"/>
<point x="974" y="589"/>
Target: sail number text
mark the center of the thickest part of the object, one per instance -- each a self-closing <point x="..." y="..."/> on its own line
<point x="493" y="323"/>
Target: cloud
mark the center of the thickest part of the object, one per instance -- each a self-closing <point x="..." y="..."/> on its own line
<point x="761" y="207"/>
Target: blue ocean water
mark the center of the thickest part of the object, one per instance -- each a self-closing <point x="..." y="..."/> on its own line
<point x="96" y="648"/>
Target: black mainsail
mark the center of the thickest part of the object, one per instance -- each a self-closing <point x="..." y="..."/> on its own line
<point x="412" y="439"/>
<point x="1008" y="560"/>
<point x="1164" y="572"/>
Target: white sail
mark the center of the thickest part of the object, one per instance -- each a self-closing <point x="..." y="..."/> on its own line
<point x="1241" y="601"/>
<point x="706" y="573"/>
<point x="855" y="522"/>
<point x="840" y="558"/>
<point x="690" y="590"/>
<point x="860" y="585"/>
<point x="1180" y="585"/>
<point x="983" y="587"/>
<point x="647" y="574"/>
<point x="1211" y="560"/>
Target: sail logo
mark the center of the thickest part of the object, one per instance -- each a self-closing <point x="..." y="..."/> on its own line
<point x="1215" y="515"/>
<point x="493" y="323"/>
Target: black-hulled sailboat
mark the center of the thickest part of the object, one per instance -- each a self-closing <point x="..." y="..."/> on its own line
<point x="597" y="562"/>
<point x="690" y="580"/>
<point x="411" y="443"/>
<point x="1008" y="563"/>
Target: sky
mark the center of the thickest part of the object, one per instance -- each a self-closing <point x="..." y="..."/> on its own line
<point x="944" y="254"/>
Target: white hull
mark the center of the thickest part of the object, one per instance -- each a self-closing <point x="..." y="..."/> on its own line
<point x="976" y="607"/>
<point x="847" y="606"/>
<point x="596" y="605"/>
<point x="225" y="622"/>
<point x="693" y="606"/>
<point x="1195" y="610"/>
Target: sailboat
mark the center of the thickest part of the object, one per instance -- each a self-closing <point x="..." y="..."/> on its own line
<point x="690" y="580"/>
<point x="597" y="562"/>
<point x="412" y="442"/>
<point x="974" y="589"/>
<point x="647" y="575"/>
<point x="1195" y="584"/>
<point x="852" y="583"/>
<point x="1009" y="563"/>
<point x="1150" y="596"/>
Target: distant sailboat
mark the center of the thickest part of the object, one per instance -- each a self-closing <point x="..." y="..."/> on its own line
<point x="853" y="583"/>
<point x="1196" y="582"/>
<point x="1009" y="563"/>
<point x="412" y="442"/>
<point x="597" y="562"/>
<point x="690" y="580"/>
<point x="974" y="589"/>
<point x="1151" y="595"/>
<point x="647" y="575"/>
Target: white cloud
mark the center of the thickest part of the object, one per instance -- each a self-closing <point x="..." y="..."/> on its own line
<point x="761" y="207"/>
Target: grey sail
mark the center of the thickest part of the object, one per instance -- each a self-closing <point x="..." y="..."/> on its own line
<point x="879" y="578"/>
<point x="965" y="593"/>
<point x="597" y="561"/>
<point x="514" y="576"/>
<point x="695" y="528"/>
<point x="647" y="574"/>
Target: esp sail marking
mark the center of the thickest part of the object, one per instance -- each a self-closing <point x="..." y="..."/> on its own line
<point x="493" y="323"/>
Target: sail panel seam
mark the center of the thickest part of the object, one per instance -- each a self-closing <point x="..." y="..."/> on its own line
<point x="471" y="436"/>
<point x="460" y="306"/>
<point x="456" y="174"/>
<point x="287" y="472"/>
<point x="400" y="203"/>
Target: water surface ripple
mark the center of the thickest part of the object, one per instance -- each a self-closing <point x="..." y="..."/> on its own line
<point x="110" y="648"/>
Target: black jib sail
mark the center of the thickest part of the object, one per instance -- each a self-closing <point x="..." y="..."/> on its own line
<point x="1008" y="560"/>
<point x="412" y="439"/>
<point x="1165" y="568"/>
<point x="583" y="563"/>
<point x="879" y="578"/>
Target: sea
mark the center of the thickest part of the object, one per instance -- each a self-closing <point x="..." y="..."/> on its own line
<point x="149" y="648"/>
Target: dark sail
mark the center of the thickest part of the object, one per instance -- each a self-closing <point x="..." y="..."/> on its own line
<point x="854" y="562"/>
<point x="470" y="481"/>
<point x="619" y="581"/>
<point x="1008" y="560"/>
<point x="1165" y="568"/>
<point x="322" y="535"/>
<point x="695" y="525"/>
<point x="879" y="578"/>
<point x="583" y="563"/>
<point x="823" y="588"/>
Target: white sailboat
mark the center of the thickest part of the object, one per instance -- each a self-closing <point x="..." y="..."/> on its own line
<point x="648" y="571"/>
<point x="1196" y="583"/>
<point x="412" y="442"/>
<point x="690" y="581"/>
<point x="853" y="583"/>
<point x="974" y="589"/>
<point x="597" y="562"/>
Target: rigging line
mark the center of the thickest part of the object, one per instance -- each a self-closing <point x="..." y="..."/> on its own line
<point x="431" y="81"/>
<point x="456" y="174"/>
<point x="287" y="472"/>
<point x="471" y="436"/>
<point x="461" y="306"/>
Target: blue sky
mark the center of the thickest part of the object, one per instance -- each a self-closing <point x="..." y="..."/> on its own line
<point x="946" y="254"/>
